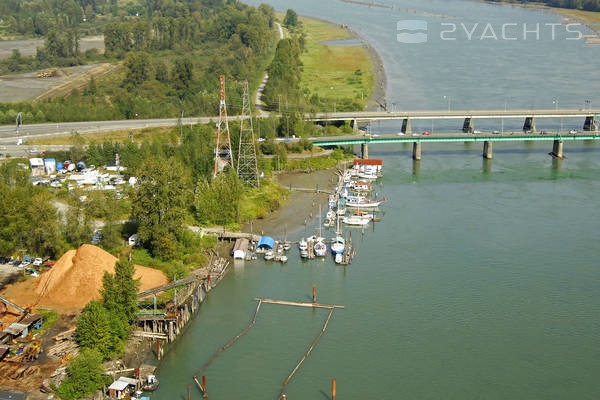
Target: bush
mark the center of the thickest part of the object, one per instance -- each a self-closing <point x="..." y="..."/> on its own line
<point x="85" y="376"/>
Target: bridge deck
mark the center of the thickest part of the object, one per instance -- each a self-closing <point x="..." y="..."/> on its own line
<point x="349" y="140"/>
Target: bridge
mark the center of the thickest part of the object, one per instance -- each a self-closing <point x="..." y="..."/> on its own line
<point x="487" y="140"/>
<point x="590" y="117"/>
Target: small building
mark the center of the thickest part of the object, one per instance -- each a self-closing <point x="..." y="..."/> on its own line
<point x="266" y="243"/>
<point x="371" y="164"/>
<point x="122" y="388"/>
<point x="22" y="328"/>
<point x="240" y="248"/>
<point x="37" y="166"/>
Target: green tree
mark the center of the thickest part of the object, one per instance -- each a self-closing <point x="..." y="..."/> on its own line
<point x="159" y="203"/>
<point x="95" y="331"/>
<point x="85" y="376"/>
<point x="291" y="19"/>
<point x="138" y="69"/>
<point x="119" y="290"/>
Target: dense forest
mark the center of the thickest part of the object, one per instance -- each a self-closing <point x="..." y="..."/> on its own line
<point x="171" y="55"/>
<point x="587" y="5"/>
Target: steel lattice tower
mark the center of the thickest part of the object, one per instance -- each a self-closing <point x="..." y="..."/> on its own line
<point x="247" y="165"/>
<point x="223" y="154"/>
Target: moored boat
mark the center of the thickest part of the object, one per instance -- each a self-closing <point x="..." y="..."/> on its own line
<point x="338" y="245"/>
<point x="355" y="220"/>
<point x="320" y="248"/>
<point x="269" y="255"/>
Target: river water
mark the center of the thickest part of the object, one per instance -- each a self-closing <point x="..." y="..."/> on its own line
<point x="482" y="279"/>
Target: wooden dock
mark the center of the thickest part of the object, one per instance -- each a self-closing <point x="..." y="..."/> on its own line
<point x="296" y="303"/>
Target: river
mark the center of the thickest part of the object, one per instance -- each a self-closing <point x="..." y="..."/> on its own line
<point x="482" y="279"/>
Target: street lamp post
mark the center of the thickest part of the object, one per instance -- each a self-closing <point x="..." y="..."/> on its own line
<point x="555" y="102"/>
<point x="449" y="101"/>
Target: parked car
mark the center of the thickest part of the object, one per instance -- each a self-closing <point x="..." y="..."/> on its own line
<point x="573" y="132"/>
<point x="476" y="132"/>
<point x="37" y="262"/>
<point x="25" y="264"/>
<point x="543" y="133"/>
<point x="426" y="133"/>
<point x="496" y="132"/>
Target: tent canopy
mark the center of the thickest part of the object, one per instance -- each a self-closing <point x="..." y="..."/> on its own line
<point x="266" y="242"/>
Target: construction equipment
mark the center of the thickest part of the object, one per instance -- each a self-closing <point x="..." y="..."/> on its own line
<point x="51" y="73"/>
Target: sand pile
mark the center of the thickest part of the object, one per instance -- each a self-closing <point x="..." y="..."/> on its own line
<point x="75" y="280"/>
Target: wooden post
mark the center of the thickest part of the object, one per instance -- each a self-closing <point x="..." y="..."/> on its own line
<point x="204" y="395"/>
<point x="333" y="389"/>
<point x="158" y="349"/>
<point x="314" y="299"/>
<point x="189" y="394"/>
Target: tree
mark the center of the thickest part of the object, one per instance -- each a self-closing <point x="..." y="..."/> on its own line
<point x="159" y="203"/>
<point x="85" y="376"/>
<point x="119" y="290"/>
<point x="78" y="229"/>
<point x="94" y="330"/>
<point x="138" y="69"/>
<point x="291" y="19"/>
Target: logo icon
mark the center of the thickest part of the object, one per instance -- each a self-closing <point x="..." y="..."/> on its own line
<point x="411" y="31"/>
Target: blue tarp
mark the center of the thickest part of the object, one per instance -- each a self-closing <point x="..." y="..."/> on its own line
<point x="266" y="242"/>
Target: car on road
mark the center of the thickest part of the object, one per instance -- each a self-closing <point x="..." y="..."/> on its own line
<point x="476" y="132"/>
<point x="34" y="151"/>
<point x="496" y="132"/>
<point x="426" y="133"/>
<point x="573" y="132"/>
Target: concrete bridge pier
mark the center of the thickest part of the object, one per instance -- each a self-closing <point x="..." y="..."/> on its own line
<point x="364" y="150"/>
<point x="416" y="151"/>
<point x="468" y="125"/>
<point x="591" y="124"/>
<point x="354" y="126"/>
<point x="557" y="149"/>
<point x="529" y="124"/>
<point x="406" y="126"/>
<point x="487" y="150"/>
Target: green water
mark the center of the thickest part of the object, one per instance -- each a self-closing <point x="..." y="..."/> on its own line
<point x="481" y="281"/>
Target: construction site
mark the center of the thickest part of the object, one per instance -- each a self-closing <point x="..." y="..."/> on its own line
<point x="38" y="315"/>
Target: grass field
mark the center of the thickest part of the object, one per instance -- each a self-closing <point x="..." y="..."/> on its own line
<point x="139" y="135"/>
<point x="336" y="73"/>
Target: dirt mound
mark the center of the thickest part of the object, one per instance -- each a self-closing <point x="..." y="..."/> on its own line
<point x="75" y="280"/>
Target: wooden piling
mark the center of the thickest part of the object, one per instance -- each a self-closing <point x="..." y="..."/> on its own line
<point x="333" y="389"/>
<point x="314" y="298"/>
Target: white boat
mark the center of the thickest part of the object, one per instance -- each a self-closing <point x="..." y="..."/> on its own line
<point x="344" y="192"/>
<point x="338" y="245"/>
<point x="370" y="177"/>
<point x="269" y="255"/>
<point x="364" y="203"/>
<point x="327" y="222"/>
<point x="338" y="258"/>
<point x="302" y="245"/>
<point x="283" y="259"/>
<point x="320" y="248"/>
<point x="329" y="214"/>
<point x="304" y="253"/>
<point x="363" y="186"/>
<point x="287" y="246"/>
<point x="355" y="221"/>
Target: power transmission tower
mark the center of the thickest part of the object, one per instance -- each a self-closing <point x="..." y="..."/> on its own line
<point x="247" y="165"/>
<point x="223" y="154"/>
